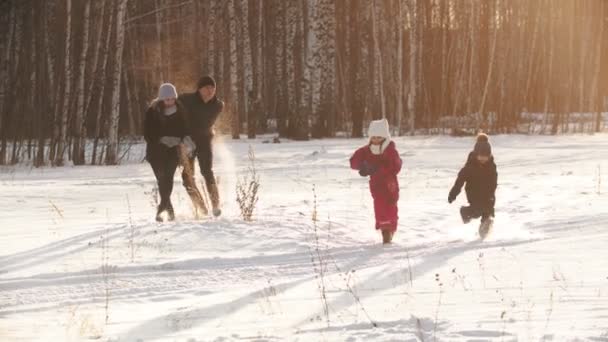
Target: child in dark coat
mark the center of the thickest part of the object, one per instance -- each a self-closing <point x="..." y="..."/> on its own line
<point x="479" y="174"/>
<point x="380" y="160"/>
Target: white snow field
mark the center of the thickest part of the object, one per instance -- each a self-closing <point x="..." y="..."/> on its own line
<point x="81" y="257"/>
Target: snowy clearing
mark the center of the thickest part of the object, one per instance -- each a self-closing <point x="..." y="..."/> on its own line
<point x="82" y="258"/>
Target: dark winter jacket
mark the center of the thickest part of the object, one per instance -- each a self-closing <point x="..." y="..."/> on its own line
<point x="157" y="125"/>
<point x="202" y="116"/>
<point x="481" y="182"/>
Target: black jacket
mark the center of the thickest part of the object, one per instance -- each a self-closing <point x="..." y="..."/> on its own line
<point x="202" y="116"/>
<point x="157" y="125"/>
<point x="481" y="182"/>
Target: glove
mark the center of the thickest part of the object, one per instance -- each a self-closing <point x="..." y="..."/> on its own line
<point x="367" y="169"/>
<point x="170" y="141"/>
<point x="189" y="145"/>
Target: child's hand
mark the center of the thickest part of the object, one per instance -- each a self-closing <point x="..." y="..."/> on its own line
<point x="366" y="169"/>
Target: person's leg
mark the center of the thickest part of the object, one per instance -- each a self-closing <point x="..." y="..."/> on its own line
<point x="205" y="160"/>
<point x="159" y="173"/>
<point x="387" y="236"/>
<point x="190" y="185"/>
<point x="386" y="218"/>
<point x="476" y="211"/>
<point x="487" y="213"/>
<point x="467" y="214"/>
<point x="486" y="222"/>
<point x="171" y="166"/>
<point x="161" y="163"/>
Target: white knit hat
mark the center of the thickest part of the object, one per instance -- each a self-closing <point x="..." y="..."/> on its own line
<point x="379" y="128"/>
<point x="167" y="91"/>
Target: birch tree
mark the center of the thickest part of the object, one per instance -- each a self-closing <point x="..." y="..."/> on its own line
<point x="112" y="149"/>
<point x="79" y="127"/>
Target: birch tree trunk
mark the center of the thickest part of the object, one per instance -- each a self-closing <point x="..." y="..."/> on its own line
<point x="67" y="88"/>
<point x="400" y="90"/>
<point x="378" y="59"/>
<point x="549" y="77"/>
<point x="96" y="60"/>
<point x="102" y="82"/>
<point x="54" y="93"/>
<point x="600" y="99"/>
<point x="595" y="98"/>
<point x="411" y="101"/>
<point x="247" y="54"/>
<point x="234" y="86"/>
<point x="112" y="148"/>
<point x="210" y="36"/>
<point x="482" y="106"/>
<point x="355" y="72"/>
<point x="3" y="82"/>
<point x="326" y="74"/>
<point x="79" y="124"/>
<point x="308" y="61"/>
<point x="160" y="70"/>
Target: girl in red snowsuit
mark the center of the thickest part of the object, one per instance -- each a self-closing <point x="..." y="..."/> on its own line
<point x="380" y="160"/>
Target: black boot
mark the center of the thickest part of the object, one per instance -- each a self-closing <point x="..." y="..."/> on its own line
<point x="170" y="212"/>
<point x="159" y="211"/>
<point x="387" y="236"/>
<point x="215" y="199"/>
<point x="198" y="203"/>
<point x="485" y="226"/>
<point x="162" y="208"/>
<point x="465" y="214"/>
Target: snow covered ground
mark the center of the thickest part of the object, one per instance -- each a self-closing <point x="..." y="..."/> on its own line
<point x="81" y="257"/>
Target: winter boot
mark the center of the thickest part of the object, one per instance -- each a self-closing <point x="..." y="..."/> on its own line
<point x="198" y="203"/>
<point x="200" y="209"/>
<point x="387" y="236"/>
<point x="215" y="199"/>
<point x="159" y="211"/>
<point x="465" y="213"/>
<point x="485" y="226"/>
<point x="170" y="212"/>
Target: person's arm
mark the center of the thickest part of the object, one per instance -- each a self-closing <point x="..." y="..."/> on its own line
<point x="358" y="158"/>
<point x="150" y="130"/>
<point x="360" y="163"/>
<point x="462" y="178"/>
<point x="391" y="163"/>
<point x="184" y="117"/>
<point x="216" y="113"/>
<point x="186" y="131"/>
<point x="494" y="181"/>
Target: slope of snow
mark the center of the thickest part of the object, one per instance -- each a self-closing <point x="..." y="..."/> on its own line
<point x="81" y="257"/>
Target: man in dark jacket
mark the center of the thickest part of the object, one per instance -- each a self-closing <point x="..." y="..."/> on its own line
<point x="204" y="108"/>
<point x="479" y="174"/>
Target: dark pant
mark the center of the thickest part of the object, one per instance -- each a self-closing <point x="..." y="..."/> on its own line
<point x="189" y="182"/>
<point x="473" y="212"/>
<point x="204" y="153"/>
<point x="164" y="162"/>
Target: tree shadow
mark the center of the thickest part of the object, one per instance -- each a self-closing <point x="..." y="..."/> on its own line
<point x="382" y="280"/>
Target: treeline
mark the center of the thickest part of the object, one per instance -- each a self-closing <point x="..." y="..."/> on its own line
<point x="78" y="71"/>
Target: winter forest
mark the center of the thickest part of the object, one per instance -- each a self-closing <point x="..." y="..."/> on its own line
<point x="75" y="72"/>
<point x="304" y="170"/>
